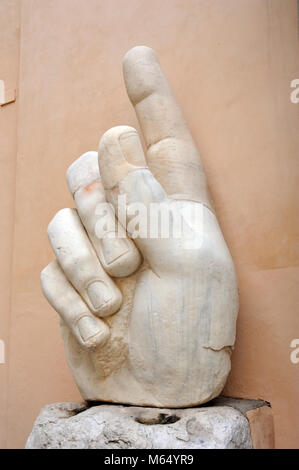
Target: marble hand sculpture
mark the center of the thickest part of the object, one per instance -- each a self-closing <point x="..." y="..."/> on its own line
<point x="146" y="319"/>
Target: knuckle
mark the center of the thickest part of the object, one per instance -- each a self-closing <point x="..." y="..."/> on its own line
<point x="74" y="261"/>
<point x="48" y="270"/>
<point x="59" y="218"/>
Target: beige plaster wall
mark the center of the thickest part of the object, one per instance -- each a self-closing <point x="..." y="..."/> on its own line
<point x="230" y="64"/>
<point x="9" y="66"/>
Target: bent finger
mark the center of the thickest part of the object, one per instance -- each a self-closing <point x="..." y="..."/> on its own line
<point x="117" y="253"/>
<point x="80" y="263"/>
<point x="88" y="330"/>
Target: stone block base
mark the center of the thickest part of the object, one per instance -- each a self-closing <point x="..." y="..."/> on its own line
<point x="221" y="424"/>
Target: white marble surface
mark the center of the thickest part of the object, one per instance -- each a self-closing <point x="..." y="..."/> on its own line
<point x="145" y="320"/>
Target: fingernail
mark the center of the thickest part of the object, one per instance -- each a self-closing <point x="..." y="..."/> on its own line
<point x="88" y="327"/>
<point x="113" y="248"/>
<point x="83" y="171"/>
<point x="120" y="152"/>
<point x="99" y="294"/>
<point x="132" y="148"/>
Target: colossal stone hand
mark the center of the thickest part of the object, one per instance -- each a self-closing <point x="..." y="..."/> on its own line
<point x="146" y="319"/>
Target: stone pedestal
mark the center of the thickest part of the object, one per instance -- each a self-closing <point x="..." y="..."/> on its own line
<point x="222" y="424"/>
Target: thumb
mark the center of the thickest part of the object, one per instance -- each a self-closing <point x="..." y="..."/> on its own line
<point x="129" y="185"/>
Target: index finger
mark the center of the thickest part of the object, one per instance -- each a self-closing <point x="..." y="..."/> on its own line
<point x="171" y="152"/>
